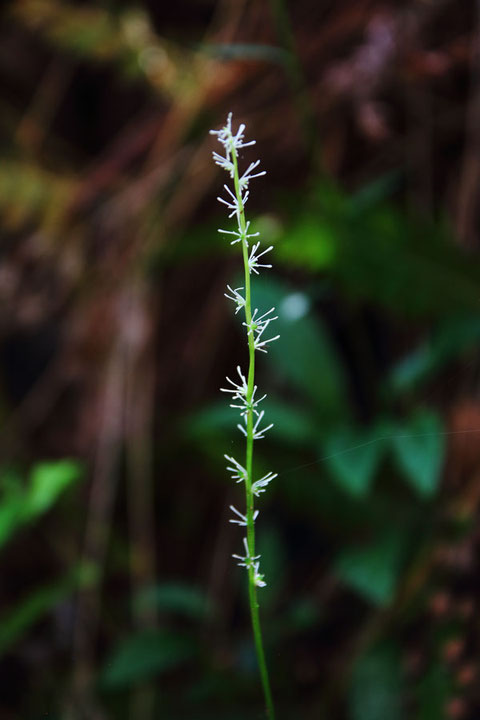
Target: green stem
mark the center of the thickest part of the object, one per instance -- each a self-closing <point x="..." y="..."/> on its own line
<point x="252" y="589"/>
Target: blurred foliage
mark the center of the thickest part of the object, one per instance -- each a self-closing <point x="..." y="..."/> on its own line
<point x="31" y="194"/>
<point x="145" y="655"/>
<point x="22" y="503"/>
<point x="40" y="602"/>
<point x="376" y="688"/>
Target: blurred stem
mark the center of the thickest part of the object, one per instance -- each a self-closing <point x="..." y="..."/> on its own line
<point x="97" y="532"/>
<point x="139" y="401"/>
<point x="297" y="82"/>
<point x="252" y="590"/>
<point x="34" y="125"/>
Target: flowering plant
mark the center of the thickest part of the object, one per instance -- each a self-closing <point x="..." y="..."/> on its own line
<point x="244" y="391"/>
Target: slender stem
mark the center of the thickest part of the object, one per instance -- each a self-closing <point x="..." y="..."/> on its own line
<point x="252" y="589"/>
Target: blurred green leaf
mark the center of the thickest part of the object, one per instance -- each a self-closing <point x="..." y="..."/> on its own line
<point x="11" y="505"/>
<point x="419" y="448"/>
<point x="428" y="275"/>
<point x="19" y="505"/>
<point x="303" y="614"/>
<point x="373" y="570"/>
<point x="374" y="194"/>
<point x="40" y="601"/>
<point x="376" y="685"/>
<point x="28" y="192"/>
<point x="304" y="354"/>
<point x="313" y="496"/>
<point x="217" y="418"/>
<point x="292" y="425"/>
<point x="309" y="242"/>
<point x="190" y="602"/>
<point x="452" y="339"/>
<point x="47" y="482"/>
<point x="355" y="238"/>
<point x="353" y="456"/>
<point x="145" y="655"/>
<point x="434" y="693"/>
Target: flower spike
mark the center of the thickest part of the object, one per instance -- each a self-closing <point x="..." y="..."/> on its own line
<point x="243" y="390"/>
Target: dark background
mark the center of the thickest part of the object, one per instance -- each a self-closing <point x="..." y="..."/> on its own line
<point x="118" y="595"/>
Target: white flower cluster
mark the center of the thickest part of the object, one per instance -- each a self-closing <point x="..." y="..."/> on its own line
<point x="257" y="327"/>
<point x="243" y="392"/>
<point x="251" y="561"/>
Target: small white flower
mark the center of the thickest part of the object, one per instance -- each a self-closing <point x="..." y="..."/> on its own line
<point x="257" y="434"/>
<point x="233" y="203"/>
<point x="259" y="322"/>
<point x="238" y="299"/>
<point x="253" y="263"/>
<point x="243" y="521"/>
<point x="225" y="163"/>
<point x="239" y="473"/>
<point x="238" y="390"/>
<point x="251" y="562"/>
<point x="248" y="406"/>
<point x="258" y="326"/>
<point x="240" y="234"/>
<point x="259" y="486"/>
<point x="247" y="175"/>
<point x="258" y="578"/>
<point x="262" y="345"/>
<point x="246" y="560"/>
<point x="236" y="141"/>
<point x="230" y="141"/>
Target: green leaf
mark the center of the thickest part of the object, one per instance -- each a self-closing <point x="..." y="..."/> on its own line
<point x="302" y="615"/>
<point x="47" y="482"/>
<point x="11" y="505"/>
<point x="146" y="655"/>
<point x="428" y="275"/>
<point x="449" y="341"/>
<point x="39" y="602"/>
<point x="20" y="505"/>
<point x="374" y="194"/>
<point x="353" y="457"/>
<point x="179" y="599"/>
<point x="373" y="570"/>
<point x="304" y="354"/>
<point x="356" y="237"/>
<point x="217" y="418"/>
<point x="292" y="425"/>
<point x="309" y="242"/>
<point x="376" y="685"/>
<point x="434" y="692"/>
<point x="419" y="448"/>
